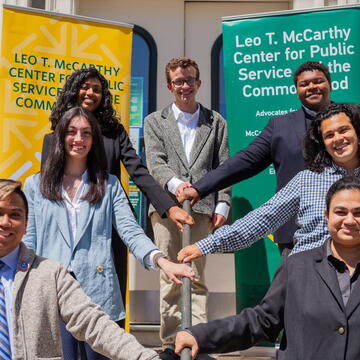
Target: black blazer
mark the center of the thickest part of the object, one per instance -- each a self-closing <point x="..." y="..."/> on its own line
<point x="118" y="148"/>
<point x="279" y="143"/>
<point x="305" y="299"/>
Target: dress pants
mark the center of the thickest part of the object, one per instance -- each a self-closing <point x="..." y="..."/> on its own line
<point x="168" y="239"/>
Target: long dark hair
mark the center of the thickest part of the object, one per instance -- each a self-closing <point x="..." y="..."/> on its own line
<point x="68" y="98"/>
<point x="315" y="155"/>
<point x="53" y="171"/>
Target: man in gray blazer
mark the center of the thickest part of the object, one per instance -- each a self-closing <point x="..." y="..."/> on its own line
<point x="183" y="142"/>
<point x="37" y="293"/>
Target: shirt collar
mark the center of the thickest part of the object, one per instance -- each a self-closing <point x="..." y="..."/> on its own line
<point x="338" y="169"/>
<point x="185" y="116"/>
<point x="11" y="259"/>
<point x="338" y="264"/>
<point x="312" y="113"/>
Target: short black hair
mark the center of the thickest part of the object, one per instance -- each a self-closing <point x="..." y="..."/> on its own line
<point x="9" y="187"/>
<point x="345" y="183"/>
<point x="311" y="66"/>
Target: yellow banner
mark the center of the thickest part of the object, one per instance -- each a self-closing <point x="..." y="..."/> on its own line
<point x="39" y="50"/>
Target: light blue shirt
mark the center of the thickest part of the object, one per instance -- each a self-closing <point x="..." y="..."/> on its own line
<point x="7" y="275"/>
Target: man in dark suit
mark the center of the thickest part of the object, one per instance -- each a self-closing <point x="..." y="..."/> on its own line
<point x="279" y="143"/>
<point x="314" y="297"/>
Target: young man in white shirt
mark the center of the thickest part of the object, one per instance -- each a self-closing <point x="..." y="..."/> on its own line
<point x="183" y="142"/>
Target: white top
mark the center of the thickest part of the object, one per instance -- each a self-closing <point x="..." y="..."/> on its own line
<point x="73" y="214"/>
<point x="187" y="123"/>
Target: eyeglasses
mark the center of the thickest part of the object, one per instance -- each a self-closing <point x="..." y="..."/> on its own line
<point x="180" y="82"/>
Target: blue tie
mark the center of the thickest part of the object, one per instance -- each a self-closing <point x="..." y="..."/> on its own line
<point x="5" y="350"/>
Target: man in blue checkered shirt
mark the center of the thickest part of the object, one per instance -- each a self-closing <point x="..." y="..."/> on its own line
<point x="280" y="144"/>
<point x="331" y="152"/>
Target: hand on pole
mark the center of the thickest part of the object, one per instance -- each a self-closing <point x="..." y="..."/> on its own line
<point x="179" y="217"/>
<point x="186" y="340"/>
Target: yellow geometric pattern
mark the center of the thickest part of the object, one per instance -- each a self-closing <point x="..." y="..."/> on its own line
<point x="38" y="52"/>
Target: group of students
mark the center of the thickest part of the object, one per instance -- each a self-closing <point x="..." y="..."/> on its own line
<point x="314" y="296"/>
<point x="74" y="205"/>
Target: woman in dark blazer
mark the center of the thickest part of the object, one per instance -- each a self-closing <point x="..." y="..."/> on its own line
<point x="314" y="297"/>
<point x="89" y="89"/>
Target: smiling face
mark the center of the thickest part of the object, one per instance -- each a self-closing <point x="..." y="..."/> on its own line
<point x="343" y="218"/>
<point x="78" y="138"/>
<point x="90" y="94"/>
<point x="313" y="89"/>
<point x="184" y="91"/>
<point x="341" y="141"/>
<point x="12" y="223"/>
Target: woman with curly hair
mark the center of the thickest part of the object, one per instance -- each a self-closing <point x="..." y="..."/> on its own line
<point x="89" y="89"/>
<point x="331" y="147"/>
<point x="73" y="206"/>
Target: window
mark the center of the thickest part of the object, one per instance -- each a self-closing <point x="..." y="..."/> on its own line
<point x="38" y="4"/>
<point x="217" y="77"/>
<point x="142" y="102"/>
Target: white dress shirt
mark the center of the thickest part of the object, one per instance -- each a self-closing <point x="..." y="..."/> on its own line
<point x="73" y="214"/>
<point x="187" y="124"/>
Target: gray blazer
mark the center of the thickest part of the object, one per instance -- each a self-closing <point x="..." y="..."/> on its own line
<point x="45" y="293"/>
<point x="166" y="157"/>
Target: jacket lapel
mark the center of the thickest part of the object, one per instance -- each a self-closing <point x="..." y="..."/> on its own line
<point x="173" y="133"/>
<point x="203" y="131"/>
<point x="354" y="299"/>
<point x="86" y="214"/>
<point x="329" y="277"/>
<point x="26" y="259"/>
<point x="299" y="123"/>
<point x="62" y="220"/>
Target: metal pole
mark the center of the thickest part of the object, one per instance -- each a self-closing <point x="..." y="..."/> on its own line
<point x="186" y="287"/>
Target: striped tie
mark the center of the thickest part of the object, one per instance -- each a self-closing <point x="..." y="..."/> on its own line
<point x="5" y="350"/>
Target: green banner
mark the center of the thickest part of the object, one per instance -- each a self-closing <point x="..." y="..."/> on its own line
<point x="260" y="55"/>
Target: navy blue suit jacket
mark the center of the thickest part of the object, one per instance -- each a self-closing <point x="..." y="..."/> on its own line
<point x="279" y="143"/>
<point x="305" y="299"/>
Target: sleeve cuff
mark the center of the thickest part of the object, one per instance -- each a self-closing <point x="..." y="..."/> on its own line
<point x="149" y="259"/>
<point x="222" y="208"/>
<point x="173" y="183"/>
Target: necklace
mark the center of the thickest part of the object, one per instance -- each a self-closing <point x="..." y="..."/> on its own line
<point x="71" y="184"/>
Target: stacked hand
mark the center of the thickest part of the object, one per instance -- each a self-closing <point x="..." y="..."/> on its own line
<point x="176" y="271"/>
<point x="189" y="253"/>
<point x="187" y="192"/>
<point x="180" y="217"/>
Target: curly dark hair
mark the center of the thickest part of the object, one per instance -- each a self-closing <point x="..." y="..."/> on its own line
<point x="182" y="62"/>
<point x="51" y="175"/>
<point x="315" y="155"/>
<point x="68" y="98"/>
<point x="312" y="66"/>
